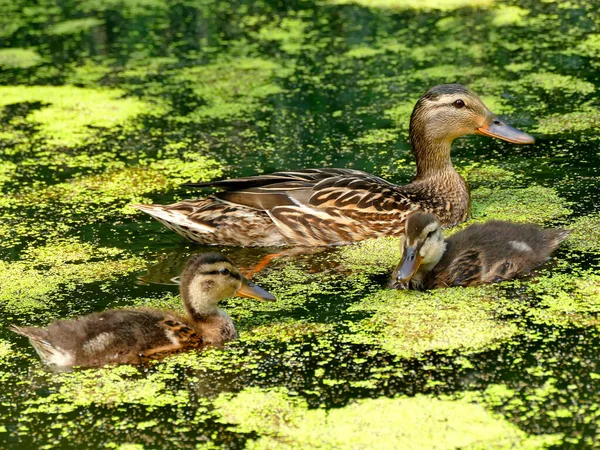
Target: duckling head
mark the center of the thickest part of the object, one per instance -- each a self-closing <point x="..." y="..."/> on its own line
<point x="423" y="246"/>
<point x="209" y="278"/>
<point x="448" y="111"/>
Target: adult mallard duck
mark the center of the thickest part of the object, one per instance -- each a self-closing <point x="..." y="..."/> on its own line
<point x="479" y="254"/>
<point x="133" y="336"/>
<point x="339" y="206"/>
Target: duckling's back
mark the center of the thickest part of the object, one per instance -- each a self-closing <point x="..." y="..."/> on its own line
<point x="109" y="337"/>
<point x="494" y="251"/>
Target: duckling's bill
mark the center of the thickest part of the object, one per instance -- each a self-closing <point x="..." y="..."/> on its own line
<point x="494" y="127"/>
<point x="410" y="263"/>
<point x="251" y="290"/>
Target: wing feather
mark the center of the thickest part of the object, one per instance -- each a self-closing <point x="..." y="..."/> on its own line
<point x="305" y="207"/>
<point x="307" y="175"/>
<point x="466" y="269"/>
<point x="315" y="189"/>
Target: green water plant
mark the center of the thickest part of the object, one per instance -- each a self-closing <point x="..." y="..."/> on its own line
<point x="283" y="421"/>
<point x="70" y="114"/>
<point x="19" y="58"/>
<point x="45" y="274"/>
<point x="408" y="323"/>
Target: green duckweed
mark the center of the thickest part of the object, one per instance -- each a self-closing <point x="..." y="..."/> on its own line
<point x="71" y="114"/>
<point x="409" y="323"/>
<point x="283" y="421"/>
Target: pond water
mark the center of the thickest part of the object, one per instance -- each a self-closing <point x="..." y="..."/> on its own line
<point x="108" y="103"/>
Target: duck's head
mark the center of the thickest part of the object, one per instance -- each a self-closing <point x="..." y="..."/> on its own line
<point x="209" y="278"/>
<point x="423" y="246"/>
<point x="448" y="111"/>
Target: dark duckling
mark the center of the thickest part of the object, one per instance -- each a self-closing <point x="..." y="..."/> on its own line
<point x="133" y="336"/>
<point x="482" y="253"/>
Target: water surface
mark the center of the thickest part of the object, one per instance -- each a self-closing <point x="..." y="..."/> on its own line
<point x="103" y="104"/>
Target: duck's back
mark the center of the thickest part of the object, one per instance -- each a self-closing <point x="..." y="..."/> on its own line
<point x="494" y="251"/>
<point x="111" y="337"/>
<point x="311" y="207"/>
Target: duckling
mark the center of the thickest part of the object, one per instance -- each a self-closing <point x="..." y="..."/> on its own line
<point x="481" y="253"/>
<point x="133" y="336"/>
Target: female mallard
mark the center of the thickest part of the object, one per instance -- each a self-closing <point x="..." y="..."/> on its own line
<point x="340" y="206"/>
<point x="133" y="336"/>
<point x="481" y="253"/>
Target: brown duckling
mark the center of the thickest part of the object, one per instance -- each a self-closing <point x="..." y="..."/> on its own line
<point x="318" y="207"/>
<point x="481" y="253"/>
<point x="133" y="336"/>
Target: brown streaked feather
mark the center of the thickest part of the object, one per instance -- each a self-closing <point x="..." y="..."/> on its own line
<point x="263" y="199"/>
<point x="330" y="226"/>
<point x="187" y="339"/>
<point x="360" y="191"/>
<point x="465" y="270"/>
<point x="310" y="176"/>
<point x="183" y="333"/>
<point x="312" y="207"/>
<point x="212" y="222"/>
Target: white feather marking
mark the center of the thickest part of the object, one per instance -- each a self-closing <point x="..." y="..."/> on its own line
<point x="171" y="336"/>
<point x="429" y="228"/>
<point x="296" y="202"/>
<point x="520" y="246"/>
<point x="174" y="217"/>
<point x="99" y="343"/>
<point x="61" y="358"/>
<point x="51" y="355"/>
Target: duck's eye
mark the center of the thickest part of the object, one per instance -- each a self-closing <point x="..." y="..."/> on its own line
<point x="224" y="271"/>
<point x="458" y="103"/>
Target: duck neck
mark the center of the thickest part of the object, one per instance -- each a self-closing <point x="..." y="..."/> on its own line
<point x="432" y="155"/>
<point x="419" y="280"/>
<point x="198" y="305"/>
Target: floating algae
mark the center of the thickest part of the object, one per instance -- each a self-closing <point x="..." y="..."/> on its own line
<point x="112" y="102"/>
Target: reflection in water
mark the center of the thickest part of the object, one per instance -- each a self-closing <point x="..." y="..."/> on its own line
<point x="250" y="260"/>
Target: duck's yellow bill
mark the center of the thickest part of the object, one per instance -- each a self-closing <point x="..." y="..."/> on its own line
<point x="251" y="290"/>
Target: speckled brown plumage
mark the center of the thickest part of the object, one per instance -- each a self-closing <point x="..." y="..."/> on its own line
<point x="134" y="336"/>
<point x="481" y="253"/>
<point x="112" y="337"/>
<point x="315" y="207"/>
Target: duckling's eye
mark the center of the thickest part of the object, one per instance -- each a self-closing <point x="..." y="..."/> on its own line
<point x="458" y="103"/>
<point x="224" y="271"/>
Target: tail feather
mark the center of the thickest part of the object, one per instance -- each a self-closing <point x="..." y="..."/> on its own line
<point x="30" y="332"/>
<point x="175" y="219"/>
<point x="556" y="236"/>
<point x="215" y="222"/>
<point x="48" y="352"/>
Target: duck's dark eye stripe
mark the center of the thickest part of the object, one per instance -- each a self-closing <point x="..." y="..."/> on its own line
<point x="209" y="272"/>
<point x="237" y="276"/>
